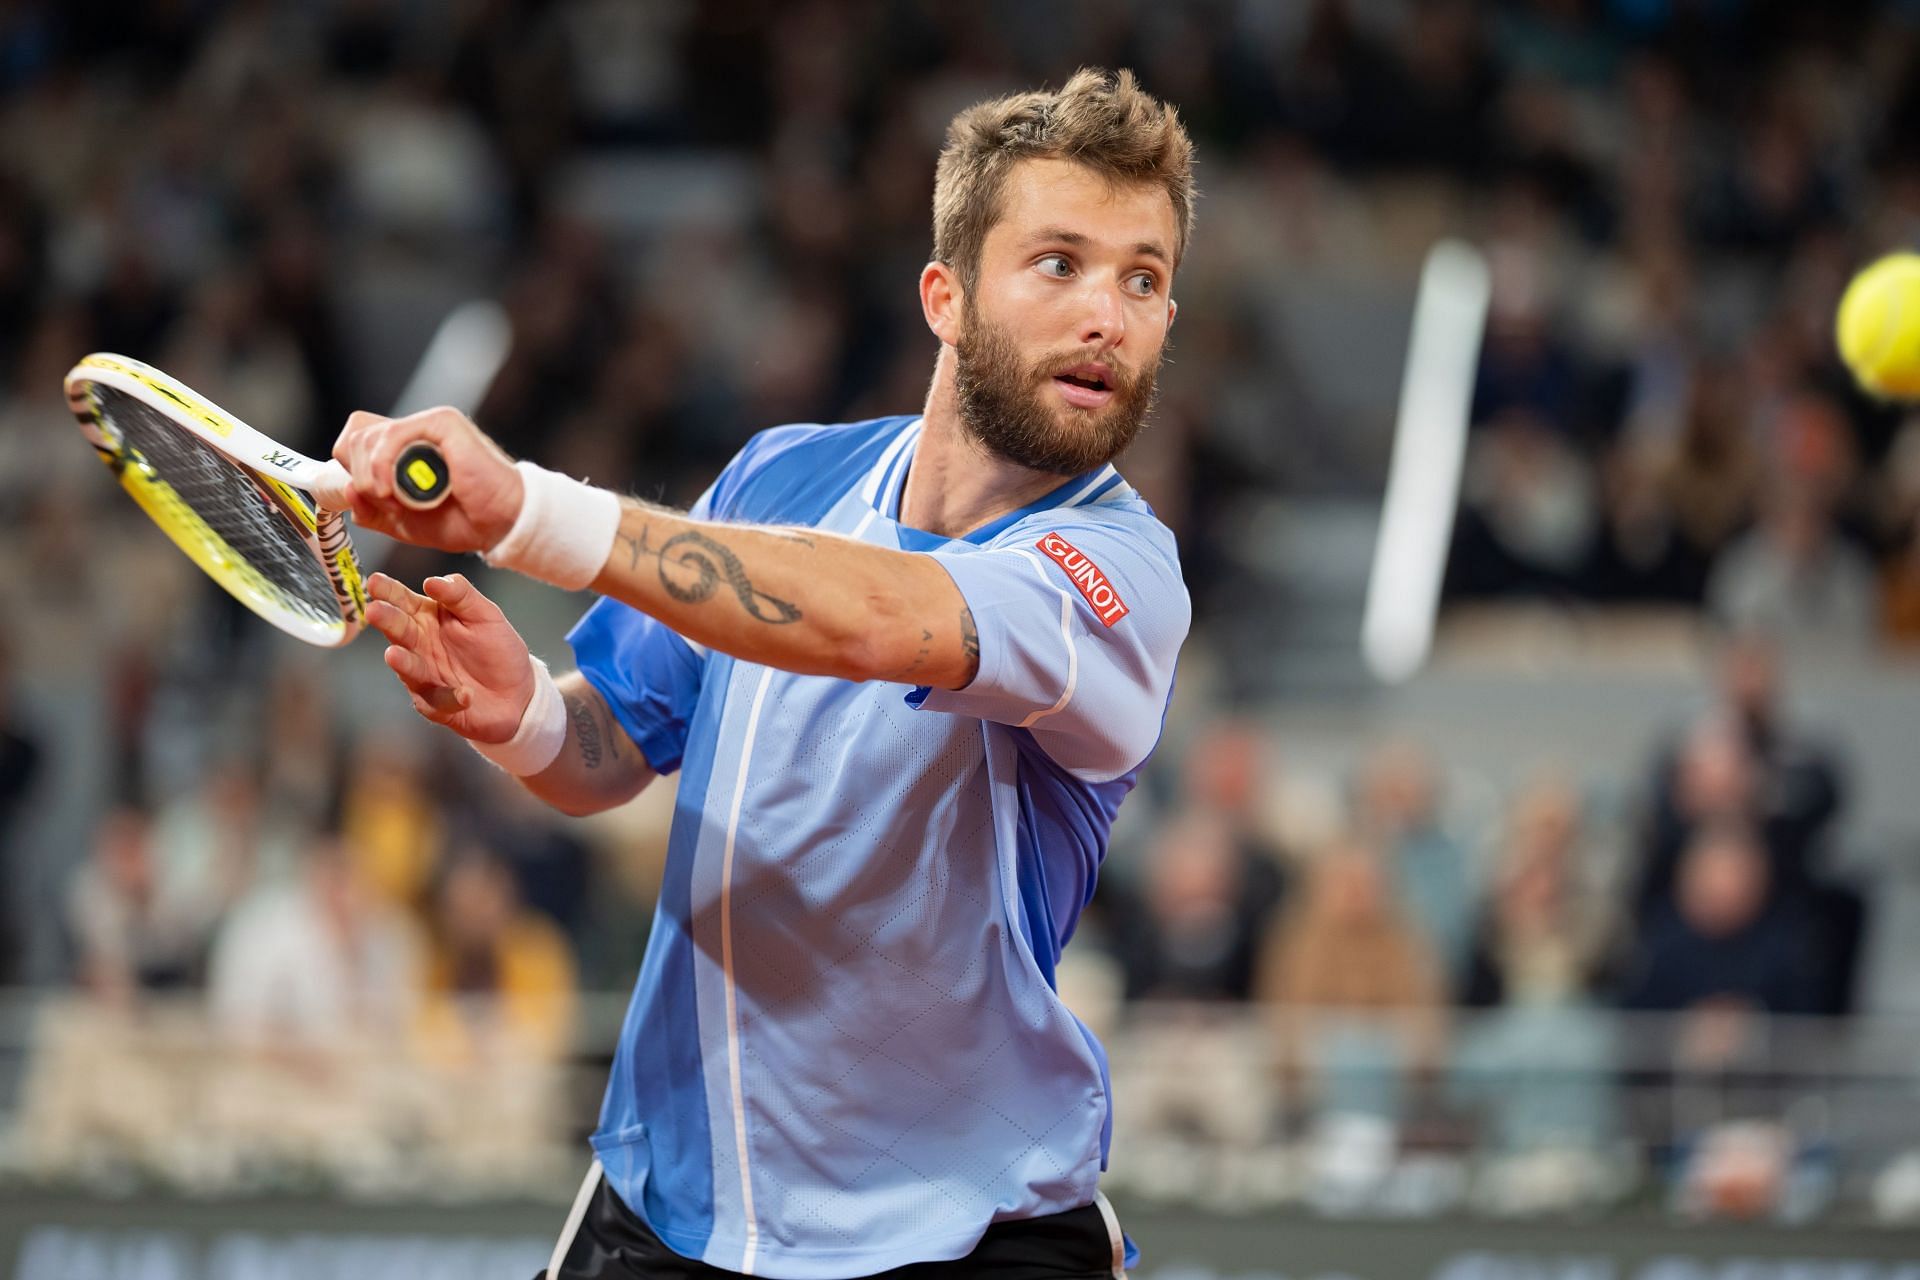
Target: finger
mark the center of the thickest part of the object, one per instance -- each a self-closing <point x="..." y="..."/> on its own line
<point x="370" y="513"/>
<point x="396" y="593"/>
<point x="439" y="703"/>
<point x="427" y="424"/>
<point x="414" y="671"/>
<point x="461" y="598"/>
<point x="423" y="684"/>
<point x="434" y="701"/>
<point x="357" y="424"/>
<point x="364" y="441"/>
<point x="370" y="470"/>
<point x="429" y="711"/>
<point x="395" y="624"/>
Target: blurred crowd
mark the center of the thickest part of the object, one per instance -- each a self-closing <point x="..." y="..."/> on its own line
<point x="1423" y="974"/>
<point x="704" y="219"/>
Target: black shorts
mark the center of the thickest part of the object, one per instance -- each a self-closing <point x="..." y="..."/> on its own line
<point x="605" y="1240"/>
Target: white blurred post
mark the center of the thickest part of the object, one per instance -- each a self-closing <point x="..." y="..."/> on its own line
<point x="1429" y="447"/>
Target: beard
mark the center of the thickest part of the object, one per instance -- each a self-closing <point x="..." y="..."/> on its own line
<point x="1011" y="408"/>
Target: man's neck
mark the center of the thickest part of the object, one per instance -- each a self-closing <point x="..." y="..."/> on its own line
<point x="956" y="484"/>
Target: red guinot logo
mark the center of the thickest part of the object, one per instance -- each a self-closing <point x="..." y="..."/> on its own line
<point x="1086" y="575"/>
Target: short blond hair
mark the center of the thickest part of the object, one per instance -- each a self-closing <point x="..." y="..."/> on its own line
<point x="1100" y="119"/>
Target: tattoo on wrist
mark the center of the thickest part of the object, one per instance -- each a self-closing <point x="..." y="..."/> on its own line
<point x="636" y="546"/>
<point x="585" y="731"/>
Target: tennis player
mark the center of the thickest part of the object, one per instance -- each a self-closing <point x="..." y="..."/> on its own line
<point x="907" y="669"/>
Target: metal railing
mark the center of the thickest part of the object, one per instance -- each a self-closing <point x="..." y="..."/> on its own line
<point x="1514" y="1111"/>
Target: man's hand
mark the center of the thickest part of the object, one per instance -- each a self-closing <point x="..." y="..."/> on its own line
<point x="484" y="489"/>
<point x="460" y="659"/>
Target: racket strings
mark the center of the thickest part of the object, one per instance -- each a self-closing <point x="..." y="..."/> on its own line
<point x="226" y="500"/>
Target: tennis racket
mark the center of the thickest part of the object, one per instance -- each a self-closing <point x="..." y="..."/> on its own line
<point x="237" y="501"/>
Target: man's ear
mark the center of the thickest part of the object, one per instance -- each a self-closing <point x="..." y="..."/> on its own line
<point x="1173" y="312"/>
<point x="941" y="300"/>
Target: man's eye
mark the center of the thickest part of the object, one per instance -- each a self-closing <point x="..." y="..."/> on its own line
<point x="1054" y="265"/>
<point x="1144" y="284"/>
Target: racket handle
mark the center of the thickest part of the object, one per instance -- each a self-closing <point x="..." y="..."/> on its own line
<point x="420" y="476"/>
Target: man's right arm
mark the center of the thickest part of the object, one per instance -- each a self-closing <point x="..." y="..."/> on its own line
<point x="598" y="767"/>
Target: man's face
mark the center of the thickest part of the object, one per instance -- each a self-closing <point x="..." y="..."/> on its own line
<point x="1064" y="328"/>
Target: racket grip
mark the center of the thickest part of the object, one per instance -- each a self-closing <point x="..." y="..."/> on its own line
<point x="420" y="476"/>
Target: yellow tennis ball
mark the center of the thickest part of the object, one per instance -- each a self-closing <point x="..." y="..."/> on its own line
<point x="1878" y="327"/>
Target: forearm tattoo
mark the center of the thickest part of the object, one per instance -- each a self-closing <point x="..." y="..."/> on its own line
<point x="969" y="638"/>
<point x="919" y="659"/>
<point x="586" y="730"/>
<point x="610" y="728"/>
<point x="692" y="566"/>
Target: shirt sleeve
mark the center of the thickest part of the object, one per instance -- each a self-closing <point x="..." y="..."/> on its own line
<point x="1080" y="625"/>
<point x="649" y="675"/>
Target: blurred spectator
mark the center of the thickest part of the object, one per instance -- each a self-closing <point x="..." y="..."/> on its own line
<point x="229" y="348"/>
<point x="210" y="848"/>
<point x="1538" y="1061"/>
<point x="1398" y="812"/>
<point x="1195" y="931"/>
<point x="1528" y="514"/>
<point x="500" y="978"/>
<point x="1795" y="576"/>
<point x="301" y="765"/>
<point x="392" y="818"/>
<point x="1748" y="761"/>
<point x="1721" y="949"/>
<point x="134" y="304"/>
<point x="145" y="906"/>
<point x="19" y="766"/>
<point x="1542" y="937"/>
<point x="1801" y="787"/>
<point x="298" y="294"/>
<point x="552" y="864"/>
<point x="1713" y="775"/>
<point x="1739" y="1170"/>
<point x="1355" y="987"/>
<point x="1715" y="472"/>
<point x="23" y="265"/>
<point x="1900" y="593"/>
<point x="1773" y="189"/>
<point x="1214" y="878"/>
<point x="124" y="941"/>
<point x="1643" y="553"/>
<point x="315" y="962"/>
<point x="1528" y="370"/>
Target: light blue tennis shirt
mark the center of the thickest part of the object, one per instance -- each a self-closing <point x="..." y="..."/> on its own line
<point x="844" y="1051"/>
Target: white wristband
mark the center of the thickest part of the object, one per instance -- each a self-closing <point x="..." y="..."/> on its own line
<point x="542" y="732"/>
<point x="564" y="532"/>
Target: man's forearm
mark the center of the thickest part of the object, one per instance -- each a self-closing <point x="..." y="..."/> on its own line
<point x="599" y="766"/>
<point x="796" y="599"/>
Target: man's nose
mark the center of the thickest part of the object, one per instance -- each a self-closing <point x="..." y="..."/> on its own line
<point x="1104" y="319"/>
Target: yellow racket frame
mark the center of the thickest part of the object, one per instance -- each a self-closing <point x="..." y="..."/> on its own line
<point x="280" y="473"/>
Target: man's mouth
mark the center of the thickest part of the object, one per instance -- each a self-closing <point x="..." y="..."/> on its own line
<point x="1088" y="386"/>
